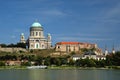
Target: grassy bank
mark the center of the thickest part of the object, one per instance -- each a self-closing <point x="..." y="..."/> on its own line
<point x="12" y="67"/>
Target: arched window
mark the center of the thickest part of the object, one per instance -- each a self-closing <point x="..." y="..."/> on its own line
<point x="37" y="46"/>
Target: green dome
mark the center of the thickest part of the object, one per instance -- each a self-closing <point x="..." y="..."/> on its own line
<point x="49" y="34"/>
<point x="22" y="34"/>
<point x="36" y="24"/>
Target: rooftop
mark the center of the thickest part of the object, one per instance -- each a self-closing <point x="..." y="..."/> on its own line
<point x="36" y="24"/>
<point x="68" y="43"/>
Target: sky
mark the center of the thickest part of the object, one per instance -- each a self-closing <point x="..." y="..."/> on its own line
<point x="92" y="21"/>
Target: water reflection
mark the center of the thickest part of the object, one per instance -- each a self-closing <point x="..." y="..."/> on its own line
<point x="46" y="74"/>
<point x="36" y="74"/>
<point x="72" y="75"/>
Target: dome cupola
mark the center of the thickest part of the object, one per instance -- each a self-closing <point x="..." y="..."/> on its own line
<point x="36" y="24"/>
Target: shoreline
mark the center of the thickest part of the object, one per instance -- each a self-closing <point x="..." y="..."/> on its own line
<point x="64" y="67"/>
<point x="84" y="68"/>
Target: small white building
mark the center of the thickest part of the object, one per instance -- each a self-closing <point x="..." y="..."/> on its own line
<point x="90" y="55"/>
<point x="76" y="57"/>
<point x="96" y="57"/>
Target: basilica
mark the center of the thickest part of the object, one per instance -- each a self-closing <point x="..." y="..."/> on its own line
<point x="36" y="39"/>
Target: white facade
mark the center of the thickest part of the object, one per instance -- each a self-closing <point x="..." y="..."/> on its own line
<point x="37" y="39"/>
<point x="96" y="57"/>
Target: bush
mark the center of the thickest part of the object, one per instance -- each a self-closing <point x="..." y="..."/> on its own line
<point x="25" y="64"/>
<point x="2" y="63"/>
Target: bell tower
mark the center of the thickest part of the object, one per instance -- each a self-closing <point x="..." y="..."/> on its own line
<point x="113" y="50"/>
<point x="48" y="40"/>
<point x="106" y="51"/>
<point x="22" y="38"/>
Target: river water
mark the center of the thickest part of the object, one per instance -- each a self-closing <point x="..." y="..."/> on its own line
<point x="47" y="74"/>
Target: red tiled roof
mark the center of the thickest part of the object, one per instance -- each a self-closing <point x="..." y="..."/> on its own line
<point x="74" y="43"/>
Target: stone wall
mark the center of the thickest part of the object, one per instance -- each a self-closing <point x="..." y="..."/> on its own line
<point x="12" y="49"/>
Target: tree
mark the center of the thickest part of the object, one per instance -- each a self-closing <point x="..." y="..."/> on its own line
<point x="3" y="45"/>
<point x="113" y="59"/>
<point x="63" y="60"/>
<point x="72" y="53"/>
<point x="116" y="59"/>
<point x="85" y="63"/>
<point x="91" y="63"/>
<point x="11" y="45"/>
<point x="2" y="63"/>
<point x="25" y="64"/>
<point x="39" y="60"/>
<point x="55" y="61"/>
<point x="71" y="62"/>
<point x="109" y="60"/>
<point x="22" y="45"/>
<point x="47" y="61"/>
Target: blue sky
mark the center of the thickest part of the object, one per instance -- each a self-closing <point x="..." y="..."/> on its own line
<point x="94" y="21"/>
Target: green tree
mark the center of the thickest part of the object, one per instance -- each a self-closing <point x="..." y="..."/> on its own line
<point x="113" y="59"/>
<point x="3" y="45"/>
<point x="85" y="62"/>
<point x="91" y="63"/>
<point x="109" y="60"/>
<point x="72" y="53"/>
<point x="25" y="64"/>
<point x="22" y="45"/>
<point x="39" y="60"/>
<point x="2" y="63"/>
<point x="48" y="61"/>
<point x="71" y="62"/>
<point x="63" y="60"/>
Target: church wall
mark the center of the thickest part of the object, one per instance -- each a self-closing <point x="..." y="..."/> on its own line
<point x="74" y="47"/>
<point x="13" y="49"/>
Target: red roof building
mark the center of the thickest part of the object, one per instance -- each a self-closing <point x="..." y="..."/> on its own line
<point x="73" y="46"/>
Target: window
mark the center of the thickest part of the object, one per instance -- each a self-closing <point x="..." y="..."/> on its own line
<point x="42" y="46"/>
<point x="37" y="46"/>
<point x="39" y="33"/>
<point x="74" y="48"/>
<point x="31" y="45"/>
<point x="37" y="40"/>
<point x="33" y="33"/>
<point x="36" y="33"/>
<point x="22" y="37"/>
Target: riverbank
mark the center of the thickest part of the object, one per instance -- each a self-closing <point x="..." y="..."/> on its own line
<point x="62" y="67"/>
<point x="73" y="67"/>
<point x="13" y="67"/>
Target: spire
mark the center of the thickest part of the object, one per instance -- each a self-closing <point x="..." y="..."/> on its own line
<point x="106" y="51"/>
<point x="113" y="50"/>
<point x="105" y="47"/>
